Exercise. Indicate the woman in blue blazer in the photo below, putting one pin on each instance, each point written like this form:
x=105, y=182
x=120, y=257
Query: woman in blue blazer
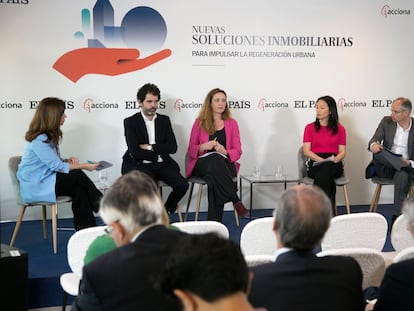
x=43, y=174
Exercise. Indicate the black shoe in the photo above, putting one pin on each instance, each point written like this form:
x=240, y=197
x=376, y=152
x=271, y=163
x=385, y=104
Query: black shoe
x=171, y=209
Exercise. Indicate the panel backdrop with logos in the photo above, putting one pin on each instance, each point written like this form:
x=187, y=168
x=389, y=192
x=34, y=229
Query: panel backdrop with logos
x=273, y=58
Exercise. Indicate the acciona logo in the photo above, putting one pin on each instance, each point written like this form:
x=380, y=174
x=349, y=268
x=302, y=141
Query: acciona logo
x=386, y=11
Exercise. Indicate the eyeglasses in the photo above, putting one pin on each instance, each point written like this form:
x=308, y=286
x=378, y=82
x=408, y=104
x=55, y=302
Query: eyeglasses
x=110, y=228
x=397, y=111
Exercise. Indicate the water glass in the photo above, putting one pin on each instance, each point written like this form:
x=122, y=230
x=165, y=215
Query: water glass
x=256, y=172
x=279, y=172
x=103, y=178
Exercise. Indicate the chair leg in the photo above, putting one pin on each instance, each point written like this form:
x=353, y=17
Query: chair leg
x=190, y=194
x=375, y=198
x=65, y=300
x=236, y=216
x=44, y=221
x=54, y=227
x=17, y=226
x=200, y=193
x=180, y=217
x=411, y=190
x=348, y=208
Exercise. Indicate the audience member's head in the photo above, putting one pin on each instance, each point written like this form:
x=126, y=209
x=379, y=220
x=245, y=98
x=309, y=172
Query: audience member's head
x=408, y=212
x=131, y=204
x=302, y=217
x=206, y=270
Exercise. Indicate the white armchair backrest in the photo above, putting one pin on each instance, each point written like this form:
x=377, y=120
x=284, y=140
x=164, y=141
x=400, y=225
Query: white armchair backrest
x=366, y=230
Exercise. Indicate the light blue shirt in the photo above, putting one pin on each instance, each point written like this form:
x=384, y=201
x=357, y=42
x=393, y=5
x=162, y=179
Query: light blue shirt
x=37, y=171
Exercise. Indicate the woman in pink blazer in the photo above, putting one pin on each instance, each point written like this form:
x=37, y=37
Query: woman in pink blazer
x=213, y=152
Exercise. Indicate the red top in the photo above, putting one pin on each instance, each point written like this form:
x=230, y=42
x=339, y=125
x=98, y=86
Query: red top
x=324, y=141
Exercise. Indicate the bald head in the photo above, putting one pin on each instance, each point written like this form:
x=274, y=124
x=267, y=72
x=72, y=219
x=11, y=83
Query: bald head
x=404, y=103
x=302, y=217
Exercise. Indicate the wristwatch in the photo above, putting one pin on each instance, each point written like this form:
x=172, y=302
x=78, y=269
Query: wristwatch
x=149, y=147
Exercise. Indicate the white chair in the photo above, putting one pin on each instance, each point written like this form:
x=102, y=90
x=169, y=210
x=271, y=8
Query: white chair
x=366, y=230
x=304, y=179
x=257, y=237
x=404, y=254
x=371, y=261
x=401, y=237
x=13, y=165
x=257, y=260
x=77, y=246
x=204, y=226
x=162, y=184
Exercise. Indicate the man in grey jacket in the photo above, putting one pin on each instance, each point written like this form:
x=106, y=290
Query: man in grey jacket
x=393, y=150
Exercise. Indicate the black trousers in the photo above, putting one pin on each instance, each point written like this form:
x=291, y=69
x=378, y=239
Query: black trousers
x=168, y=172
x=324, y=177
x=85, y=196
x=220, y=175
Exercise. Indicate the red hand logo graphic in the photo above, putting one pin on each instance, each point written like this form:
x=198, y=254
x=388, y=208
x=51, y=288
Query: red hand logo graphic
x=77, y=63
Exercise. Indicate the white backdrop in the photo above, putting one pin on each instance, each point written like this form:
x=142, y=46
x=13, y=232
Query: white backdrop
x=273, y=58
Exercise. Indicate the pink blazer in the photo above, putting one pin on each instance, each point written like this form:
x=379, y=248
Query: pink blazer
x=199, y=136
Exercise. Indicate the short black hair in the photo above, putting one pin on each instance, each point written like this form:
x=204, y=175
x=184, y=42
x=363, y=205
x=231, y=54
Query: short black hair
x=207, y=265
x=148, y=88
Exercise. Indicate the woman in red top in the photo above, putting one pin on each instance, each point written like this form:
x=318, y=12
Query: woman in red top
x=324, y=143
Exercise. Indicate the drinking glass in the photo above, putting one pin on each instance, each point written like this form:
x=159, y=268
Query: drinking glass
x=279, y=172
x=103, y=179
x=256, y=171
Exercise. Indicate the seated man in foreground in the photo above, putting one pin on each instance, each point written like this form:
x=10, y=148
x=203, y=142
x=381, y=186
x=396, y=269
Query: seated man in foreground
x=397, y=287
x=298, y=279
x=122, y=279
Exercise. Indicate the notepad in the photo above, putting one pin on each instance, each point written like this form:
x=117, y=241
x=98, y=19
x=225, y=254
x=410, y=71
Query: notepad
x=329, y=159
x=389, y=150
x=208, y=153
x=102, y=165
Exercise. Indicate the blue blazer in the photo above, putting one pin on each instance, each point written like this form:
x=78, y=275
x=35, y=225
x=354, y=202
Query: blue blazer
x=37, y=171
